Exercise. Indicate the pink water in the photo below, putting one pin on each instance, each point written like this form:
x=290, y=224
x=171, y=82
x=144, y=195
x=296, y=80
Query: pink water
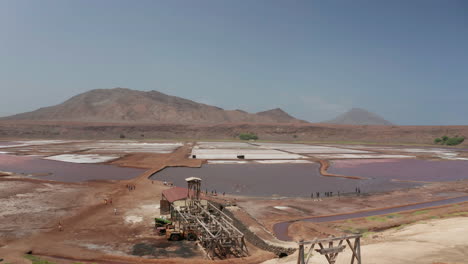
x=289, y=180
x=64, y=171
x=403, y=169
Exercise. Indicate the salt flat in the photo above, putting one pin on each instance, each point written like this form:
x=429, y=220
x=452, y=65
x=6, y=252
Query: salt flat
x=228, y=162
x=303, y=148
x=35, y=143
x=248, y=154
x=283, y=161
x=361, y=156
x=132, y=147
x=83, y=158
x=443, y=153
x=224, y=145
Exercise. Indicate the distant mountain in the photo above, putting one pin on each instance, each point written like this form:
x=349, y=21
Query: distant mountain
x=358, y=116
x=125, y=105
x=279, y=115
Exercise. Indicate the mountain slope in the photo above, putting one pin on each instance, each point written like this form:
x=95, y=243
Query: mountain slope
x=278, y=115
x=125, y=105
x=358, y=116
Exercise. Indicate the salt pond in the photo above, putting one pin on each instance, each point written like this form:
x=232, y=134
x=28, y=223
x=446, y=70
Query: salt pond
x=83, y=158
x=265, y=180
x=64, y=171
x=403, y=169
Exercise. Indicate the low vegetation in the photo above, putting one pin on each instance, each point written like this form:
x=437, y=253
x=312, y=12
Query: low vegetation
x=37, y=260
x=449, y=141
x=248, y=136
x=421, y=212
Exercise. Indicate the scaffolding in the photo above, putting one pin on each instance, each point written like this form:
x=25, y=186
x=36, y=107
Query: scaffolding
x=214, y=230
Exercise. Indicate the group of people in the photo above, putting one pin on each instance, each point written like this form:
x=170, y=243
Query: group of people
x=214, y=193
x=327, y=194
x=131, y=187
x=330, y=194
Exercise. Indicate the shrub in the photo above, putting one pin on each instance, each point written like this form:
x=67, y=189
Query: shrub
x=450, y=141
x=122, y=136
x=454, y=141
x=248, y=136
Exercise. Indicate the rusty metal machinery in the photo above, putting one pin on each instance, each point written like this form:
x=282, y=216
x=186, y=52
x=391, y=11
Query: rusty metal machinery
x=214, y=229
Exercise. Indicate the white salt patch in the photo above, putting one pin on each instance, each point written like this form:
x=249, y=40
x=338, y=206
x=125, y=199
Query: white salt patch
x=303, y=149
x=82, y=158
x=35, y=142
x=283, y=161
x=247, y=153
x=133, y=219
x=224, y=145
x=361, y=156
x=282, y=207
x=133, y=147
x=227, y=162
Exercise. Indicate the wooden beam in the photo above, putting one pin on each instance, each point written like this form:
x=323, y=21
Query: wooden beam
x=332, y=250
x=329, y=239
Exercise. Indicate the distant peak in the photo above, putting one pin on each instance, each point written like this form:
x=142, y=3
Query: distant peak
x=278, y=110
x=359, y=116
x=357, y=109
x=279, y=115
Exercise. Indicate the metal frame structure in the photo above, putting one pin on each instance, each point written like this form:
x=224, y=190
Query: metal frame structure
x=331, y=252
x=213, y=228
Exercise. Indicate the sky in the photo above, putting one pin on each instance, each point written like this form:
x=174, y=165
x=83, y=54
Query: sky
x=404, y=60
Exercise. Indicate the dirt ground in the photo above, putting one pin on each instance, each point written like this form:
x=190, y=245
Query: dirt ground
x=282, y=132
x=438, y=241
x=29, y=206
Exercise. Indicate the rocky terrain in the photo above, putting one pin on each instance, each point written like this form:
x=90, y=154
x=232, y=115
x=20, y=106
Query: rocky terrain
x=123, y=105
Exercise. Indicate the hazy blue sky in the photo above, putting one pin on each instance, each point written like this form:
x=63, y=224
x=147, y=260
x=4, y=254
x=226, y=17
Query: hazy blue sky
x=405, y=60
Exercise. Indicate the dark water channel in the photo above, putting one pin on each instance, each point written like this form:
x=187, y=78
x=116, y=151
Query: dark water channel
x=64, y=171
x=266, y=180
